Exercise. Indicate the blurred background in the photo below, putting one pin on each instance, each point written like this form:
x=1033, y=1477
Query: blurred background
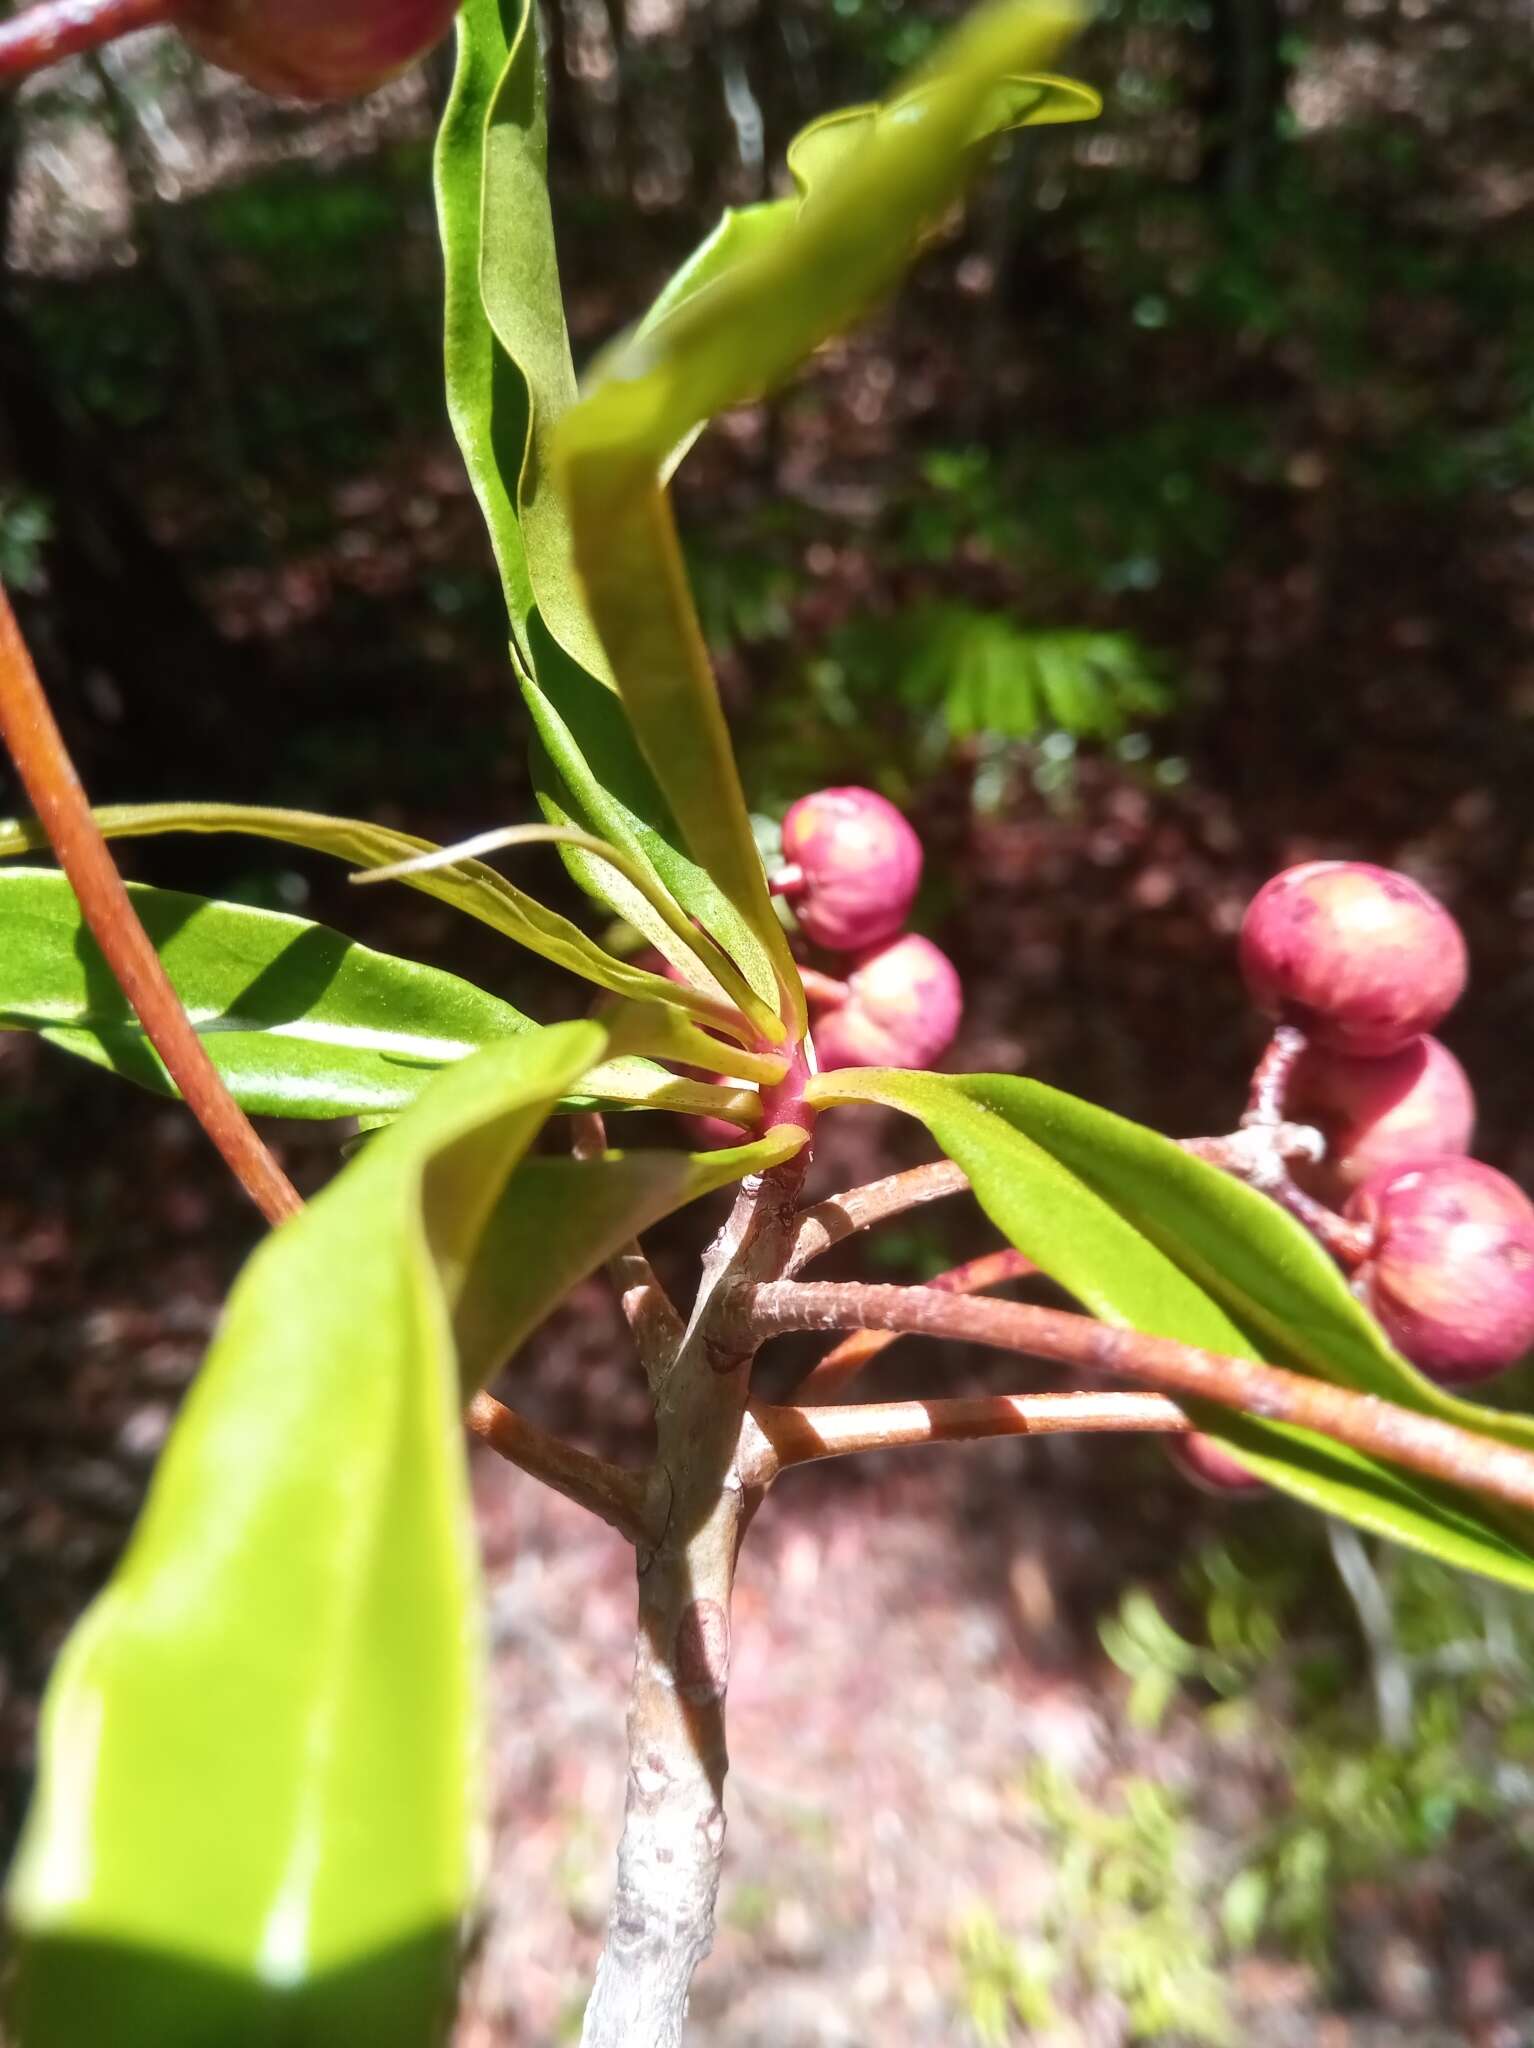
x=1178, y=522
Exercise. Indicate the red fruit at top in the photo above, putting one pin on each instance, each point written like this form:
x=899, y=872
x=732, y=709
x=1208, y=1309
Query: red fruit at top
x=859, y=864
x=1362, y=958
x=903, y=1008
x=1377, y=1114
x=314, y=49
x=1451, y=1274
x=1205, y=1460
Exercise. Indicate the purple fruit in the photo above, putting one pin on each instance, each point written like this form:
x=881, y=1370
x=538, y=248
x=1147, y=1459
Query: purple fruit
x=1450, y=1277
x=854, y=867
x=1378, y=1114
x=1363, y=959
x=1205, y=1460
x=903, y=1006
x=314, y=49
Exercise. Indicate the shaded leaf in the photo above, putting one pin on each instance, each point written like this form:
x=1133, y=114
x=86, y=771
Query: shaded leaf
x=255, y=1817
x=1002, y=1132
x=578, y=1213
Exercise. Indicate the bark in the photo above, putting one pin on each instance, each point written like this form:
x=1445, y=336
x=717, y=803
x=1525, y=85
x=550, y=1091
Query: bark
x=662, y=1920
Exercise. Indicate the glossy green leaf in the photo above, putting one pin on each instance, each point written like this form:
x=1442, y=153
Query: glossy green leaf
x=300, y=1021
x=486, y=397
x=735, y=339
x=1103, y=1249
x=255, y=1820
x=469, y=886
x=1267, y=1271
x=509, y=378
x=578, y=1213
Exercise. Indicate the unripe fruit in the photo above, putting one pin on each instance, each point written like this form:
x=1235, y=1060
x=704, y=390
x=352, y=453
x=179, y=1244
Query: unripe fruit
x=1361, y=958
x=314, y=49
x=1380, y=1114
x=858, y=865
x=1205, y=1461
x=903, y=1008
x=1450, y=1277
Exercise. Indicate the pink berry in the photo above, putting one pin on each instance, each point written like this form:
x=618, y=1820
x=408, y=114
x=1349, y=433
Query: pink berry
x=902, y=1009
x=1205, y=1460
x=1377, y=1114
x=315, y=49
x=1451, y=1274
x=858, y=865
x=1361, y=958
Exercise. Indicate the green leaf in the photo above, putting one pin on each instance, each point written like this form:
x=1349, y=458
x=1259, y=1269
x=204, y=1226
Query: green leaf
x=578, y=1213
x=469, y=886
x=510, y=380
x=255, y=1820
x=1108, y=1240
x=754, y=322
x=300, y=1021
x=486, y=398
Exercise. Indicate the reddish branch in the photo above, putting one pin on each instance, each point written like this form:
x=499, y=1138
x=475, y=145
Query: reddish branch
x=617, y=1496
x=43, y=35
x=1377, y=1427
x=840, y=1216
x=791, y=1436
x=849, y=1357
x=28, y=728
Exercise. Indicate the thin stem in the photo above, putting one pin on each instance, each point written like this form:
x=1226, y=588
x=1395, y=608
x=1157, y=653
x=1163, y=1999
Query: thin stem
x=47, y=34
x=849, y=1357
x=1271, y=1077
x=841, y=1216
x=653, y=1322
x=793, y=1436
x=1369, y=1424
x=620, y=1498
x=29, y=729
x=823, y=991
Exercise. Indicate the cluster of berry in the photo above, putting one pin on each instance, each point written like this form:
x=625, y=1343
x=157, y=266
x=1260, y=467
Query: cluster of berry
x=853, y=865
x=1360, y=964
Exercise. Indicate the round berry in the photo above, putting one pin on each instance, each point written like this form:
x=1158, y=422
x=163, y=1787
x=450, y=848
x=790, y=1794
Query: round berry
x=314, y=49
x=902, y=1009
x=1450, y=1277
x=1361, y=958
x=1377, y=1114
x=1205, y=1460
x=858, y=864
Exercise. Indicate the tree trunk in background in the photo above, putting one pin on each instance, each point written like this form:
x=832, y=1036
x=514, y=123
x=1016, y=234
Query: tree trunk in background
x=1245, y=99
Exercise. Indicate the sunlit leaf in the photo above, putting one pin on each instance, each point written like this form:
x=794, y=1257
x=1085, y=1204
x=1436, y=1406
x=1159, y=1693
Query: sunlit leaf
x=1100, y=1244
x=256, y=1813
x=469, y=886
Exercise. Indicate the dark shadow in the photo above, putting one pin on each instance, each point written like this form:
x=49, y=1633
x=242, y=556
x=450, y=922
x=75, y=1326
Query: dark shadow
x=68, y=1993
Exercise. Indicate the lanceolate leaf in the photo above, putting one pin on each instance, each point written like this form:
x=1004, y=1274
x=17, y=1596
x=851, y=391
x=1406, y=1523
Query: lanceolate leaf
x=1100, y=1246
x=469, y=886
x=255, y=1818
x=300, y=1021
x=578, y=1213
x=510, y=379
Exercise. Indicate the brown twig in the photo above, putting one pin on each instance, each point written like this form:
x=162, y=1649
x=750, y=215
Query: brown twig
x=619, y=1497
x=840, y=1216
x=793, y=1436
x=849, y=1357
x=653, y=1322
x=56, y=29
x=1369, y=1424
x=29, y=729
